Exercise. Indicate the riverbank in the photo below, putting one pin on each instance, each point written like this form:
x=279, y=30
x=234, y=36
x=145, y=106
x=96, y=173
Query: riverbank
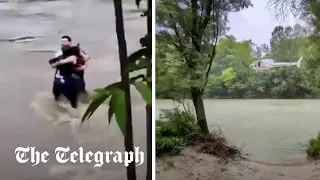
x=191, y=165
x=272, y=131
x=273, y=136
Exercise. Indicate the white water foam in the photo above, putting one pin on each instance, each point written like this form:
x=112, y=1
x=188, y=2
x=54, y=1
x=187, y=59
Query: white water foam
x=96, y=129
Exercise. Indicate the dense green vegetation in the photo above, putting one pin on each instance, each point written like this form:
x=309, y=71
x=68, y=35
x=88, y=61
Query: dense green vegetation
x=314, y=147
x=173, y=130
x=187, y=35
x=231, y=77
x=178, y=129
x=197, y=58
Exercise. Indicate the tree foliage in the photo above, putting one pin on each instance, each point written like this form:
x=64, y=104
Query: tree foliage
x=188, y=32
x=231, y=77
x=192, y=29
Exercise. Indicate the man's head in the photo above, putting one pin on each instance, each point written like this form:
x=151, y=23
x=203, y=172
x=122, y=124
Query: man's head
x=66, y=42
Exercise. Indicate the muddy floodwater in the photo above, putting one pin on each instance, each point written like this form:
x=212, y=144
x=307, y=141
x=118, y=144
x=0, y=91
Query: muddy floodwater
x=274, y=135
x=26, y=82
x=270, y=131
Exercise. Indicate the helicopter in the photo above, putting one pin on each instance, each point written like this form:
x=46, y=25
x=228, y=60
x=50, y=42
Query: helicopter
x=267, y=64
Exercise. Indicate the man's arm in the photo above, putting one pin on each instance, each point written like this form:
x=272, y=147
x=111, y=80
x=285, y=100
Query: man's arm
x=84, y=55
x=86, y=59
x=71, y=59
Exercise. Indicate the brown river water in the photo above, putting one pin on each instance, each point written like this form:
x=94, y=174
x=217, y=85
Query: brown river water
x=274, y=135
x=270, y=131
x=26, y=81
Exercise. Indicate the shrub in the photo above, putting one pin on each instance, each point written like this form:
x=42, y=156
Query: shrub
x=173, y=129
x=314, y=147
x=177, y=129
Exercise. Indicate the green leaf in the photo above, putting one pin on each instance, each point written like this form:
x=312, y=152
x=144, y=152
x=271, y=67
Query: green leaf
x=145, y=91
x=118, y=85
x=118, y=105
x=110, y=112
x=137, y=55
x=110, y=87
x=143, y=63
x=98, y=90
x=100, y=98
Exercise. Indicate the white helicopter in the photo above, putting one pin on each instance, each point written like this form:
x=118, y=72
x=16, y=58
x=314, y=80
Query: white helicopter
x=267, y=64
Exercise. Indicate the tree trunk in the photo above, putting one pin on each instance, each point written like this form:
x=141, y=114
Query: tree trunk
x=131, y=169
x=148, y=107
x=200, y=111
x=149, y=141
x=149, y=134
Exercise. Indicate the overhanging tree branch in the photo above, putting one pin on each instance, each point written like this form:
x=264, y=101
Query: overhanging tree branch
x=206, y=19
x=194, y=31
x=216, y=19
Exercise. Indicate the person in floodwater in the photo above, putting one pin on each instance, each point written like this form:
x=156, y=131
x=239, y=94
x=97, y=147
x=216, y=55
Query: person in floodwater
x=65, y=83
x=81, y=65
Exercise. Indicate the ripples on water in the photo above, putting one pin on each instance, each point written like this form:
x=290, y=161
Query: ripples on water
x=61, y=114
x=272, y=131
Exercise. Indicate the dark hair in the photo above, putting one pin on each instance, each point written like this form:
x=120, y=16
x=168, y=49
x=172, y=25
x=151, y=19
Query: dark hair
x=66, y=37
x=72, y=51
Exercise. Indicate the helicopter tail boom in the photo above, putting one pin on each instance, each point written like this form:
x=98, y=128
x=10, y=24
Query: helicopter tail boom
x=299, y=62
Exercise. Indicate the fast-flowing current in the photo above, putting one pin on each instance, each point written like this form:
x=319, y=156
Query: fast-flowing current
x=270, y=131
x=29, y=35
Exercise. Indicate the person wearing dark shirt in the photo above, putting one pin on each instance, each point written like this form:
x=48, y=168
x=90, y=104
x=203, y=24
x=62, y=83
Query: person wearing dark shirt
x=81, y=65
x=65, y=82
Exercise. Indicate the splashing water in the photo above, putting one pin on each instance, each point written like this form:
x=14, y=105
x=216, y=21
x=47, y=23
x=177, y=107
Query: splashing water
x=62, y=114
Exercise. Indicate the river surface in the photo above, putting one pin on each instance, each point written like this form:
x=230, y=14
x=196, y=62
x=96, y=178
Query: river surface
x=272, y=131
x=26, y=82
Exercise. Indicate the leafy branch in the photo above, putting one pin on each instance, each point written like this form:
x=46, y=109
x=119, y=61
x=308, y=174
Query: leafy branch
x=139, y=60
x=116, y=96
